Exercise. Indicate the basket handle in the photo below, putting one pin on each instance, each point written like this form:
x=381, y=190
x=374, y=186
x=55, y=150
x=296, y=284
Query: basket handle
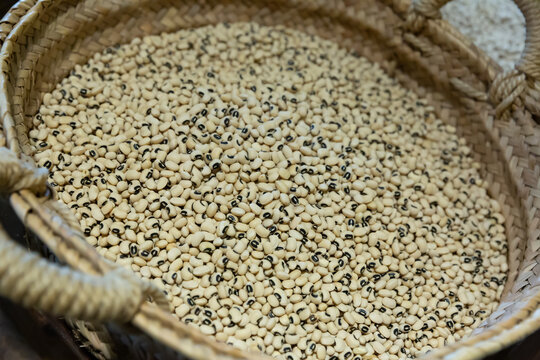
x=28, y=279
x=519, y=86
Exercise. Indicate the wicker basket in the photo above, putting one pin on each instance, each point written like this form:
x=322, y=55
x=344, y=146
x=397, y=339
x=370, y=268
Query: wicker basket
x=495, y=112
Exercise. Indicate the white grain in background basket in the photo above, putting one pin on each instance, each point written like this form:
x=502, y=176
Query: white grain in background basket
x=495, y=26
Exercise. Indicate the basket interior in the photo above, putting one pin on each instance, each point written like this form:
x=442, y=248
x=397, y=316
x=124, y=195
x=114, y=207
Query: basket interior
x=63, y=33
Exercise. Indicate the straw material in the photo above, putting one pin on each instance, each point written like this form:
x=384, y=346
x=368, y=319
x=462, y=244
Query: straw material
x=520, y=86
x=27, y=279
x=18, y=175
x=494, y=111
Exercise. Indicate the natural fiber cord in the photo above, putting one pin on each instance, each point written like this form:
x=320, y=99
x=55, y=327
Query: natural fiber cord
x=17, y=174
x=506, y=88
x=509, y=86
x=30, y=280
x=27, y=279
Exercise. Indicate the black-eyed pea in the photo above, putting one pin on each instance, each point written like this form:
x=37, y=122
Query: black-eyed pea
x=281, y=179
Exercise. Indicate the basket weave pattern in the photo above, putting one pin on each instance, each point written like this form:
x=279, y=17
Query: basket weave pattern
x=43, y=39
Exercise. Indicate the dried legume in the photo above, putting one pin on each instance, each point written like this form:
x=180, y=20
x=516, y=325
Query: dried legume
x=286, y=194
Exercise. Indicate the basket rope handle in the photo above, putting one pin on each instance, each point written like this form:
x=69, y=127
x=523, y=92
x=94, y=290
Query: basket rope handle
x=519, y=86
x=29, y=279
x=116, y=295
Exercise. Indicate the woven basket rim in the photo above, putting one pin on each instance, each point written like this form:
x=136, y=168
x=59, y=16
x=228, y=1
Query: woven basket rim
x=22, y=15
